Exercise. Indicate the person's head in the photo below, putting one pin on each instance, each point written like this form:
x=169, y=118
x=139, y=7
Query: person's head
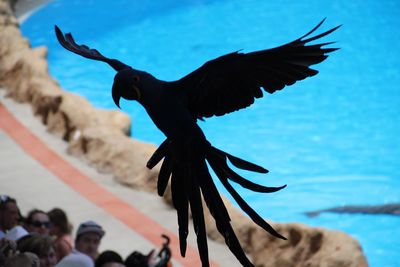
x=38, y=221
x=76, y=260
x=88, y=237
x=137, y=259
x=109, y=258
x=59, y=222
x=9, y=213
x=42, y=246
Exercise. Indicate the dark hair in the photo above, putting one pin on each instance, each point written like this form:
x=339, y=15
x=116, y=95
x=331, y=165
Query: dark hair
x=4, y=200
x=108, y=256
x=29, y=217
x=36, y=243
x=136, y=259
x=59, y=218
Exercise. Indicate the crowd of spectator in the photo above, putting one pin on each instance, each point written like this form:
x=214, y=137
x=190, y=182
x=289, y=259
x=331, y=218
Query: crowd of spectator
x=44, y=239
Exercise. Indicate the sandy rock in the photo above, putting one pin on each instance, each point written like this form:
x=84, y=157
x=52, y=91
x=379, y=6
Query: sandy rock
x=6, y=16
x=306, y=246
x=100, y=137
x=111, y=151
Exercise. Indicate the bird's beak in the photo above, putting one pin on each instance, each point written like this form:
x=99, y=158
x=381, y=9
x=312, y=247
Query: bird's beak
x=115, y=95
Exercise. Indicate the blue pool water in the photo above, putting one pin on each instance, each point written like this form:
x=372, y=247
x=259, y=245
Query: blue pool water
x=334, y=138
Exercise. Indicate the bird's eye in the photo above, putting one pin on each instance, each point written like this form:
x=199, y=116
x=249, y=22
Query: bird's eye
x=136, y=78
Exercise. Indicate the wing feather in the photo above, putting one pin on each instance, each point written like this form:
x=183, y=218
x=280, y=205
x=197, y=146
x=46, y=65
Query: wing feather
x=233, y=81
x=68, y=42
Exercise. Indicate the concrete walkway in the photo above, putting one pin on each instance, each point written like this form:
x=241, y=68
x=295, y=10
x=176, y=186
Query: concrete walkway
x=36, y=170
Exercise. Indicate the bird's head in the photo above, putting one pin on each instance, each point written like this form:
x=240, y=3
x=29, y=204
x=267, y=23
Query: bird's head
x=127, y=84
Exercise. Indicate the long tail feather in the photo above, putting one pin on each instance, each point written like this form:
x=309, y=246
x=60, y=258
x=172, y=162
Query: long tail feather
x=198, y=219
x=211, y=194
x=220, y=215
x=241, y=163
x=180, y=201
x=158, y=155
x=216, y=166
x=185, y=163
x=233, y=176
x=163, y=176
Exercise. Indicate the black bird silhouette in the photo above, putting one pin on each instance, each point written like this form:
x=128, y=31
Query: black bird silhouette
x=222, y=85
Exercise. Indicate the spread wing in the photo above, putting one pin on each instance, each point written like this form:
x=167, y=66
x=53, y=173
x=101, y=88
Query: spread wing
x=233, y=81
x=68, y=42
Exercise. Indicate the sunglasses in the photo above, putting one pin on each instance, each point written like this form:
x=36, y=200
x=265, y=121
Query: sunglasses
x=41, y=224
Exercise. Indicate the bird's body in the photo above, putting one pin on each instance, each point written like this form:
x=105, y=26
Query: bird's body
x=170, y=109
x=222, y=85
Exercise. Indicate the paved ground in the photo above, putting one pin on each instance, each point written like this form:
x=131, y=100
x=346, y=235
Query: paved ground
x=36, y=170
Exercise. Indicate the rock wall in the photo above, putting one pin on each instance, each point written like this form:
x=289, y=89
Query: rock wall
x=101, y=137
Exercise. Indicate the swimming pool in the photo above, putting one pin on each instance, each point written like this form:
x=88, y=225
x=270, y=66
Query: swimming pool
x=334, y=138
